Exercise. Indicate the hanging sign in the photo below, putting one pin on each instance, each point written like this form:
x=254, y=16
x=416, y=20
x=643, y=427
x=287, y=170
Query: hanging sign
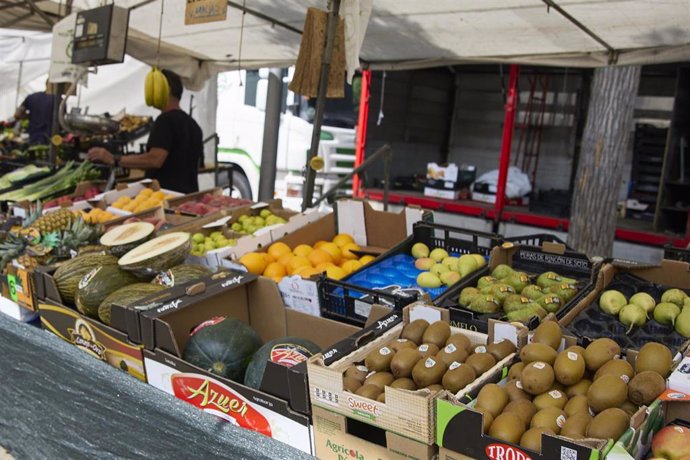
x=202, y=11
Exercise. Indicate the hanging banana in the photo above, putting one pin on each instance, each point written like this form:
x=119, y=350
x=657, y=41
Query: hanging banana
x=156, y=89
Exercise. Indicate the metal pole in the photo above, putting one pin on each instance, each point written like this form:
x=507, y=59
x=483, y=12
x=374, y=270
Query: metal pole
x=333, y=19
x=504, y=160
x=19, y=83
x=269, y=151
x=362, y=121
x=58, y=88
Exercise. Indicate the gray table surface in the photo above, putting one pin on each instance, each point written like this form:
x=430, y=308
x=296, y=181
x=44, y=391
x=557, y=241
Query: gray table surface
x=58, y=402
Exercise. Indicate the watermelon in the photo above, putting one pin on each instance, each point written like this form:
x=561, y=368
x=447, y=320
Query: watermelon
x=223, y=346
x=286, y=351
x=126, y=296
x=68, y=275
x=157, y=255
x=124, y=238
x=98, y=284
x=182, y=274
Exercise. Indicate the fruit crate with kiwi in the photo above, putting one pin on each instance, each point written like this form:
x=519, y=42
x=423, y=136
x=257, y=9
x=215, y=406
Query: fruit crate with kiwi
x=558, y=397
x=401, y=364
x=635, y=304
x=428, y=263
x=521, y=283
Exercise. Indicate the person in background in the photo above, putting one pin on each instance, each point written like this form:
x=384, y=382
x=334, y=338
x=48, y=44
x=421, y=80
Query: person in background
x=174, y=149
x=38, y=108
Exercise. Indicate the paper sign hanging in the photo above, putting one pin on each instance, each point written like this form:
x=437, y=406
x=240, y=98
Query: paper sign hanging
x=202, y=11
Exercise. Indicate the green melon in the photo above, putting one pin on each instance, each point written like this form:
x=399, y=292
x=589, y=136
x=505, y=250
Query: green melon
x=182, y=274
x=126, y=296
x=223, y=346
x=286, y=351
x=98, y=284
x=68, y=275
x=157, y=255
x=124, y=238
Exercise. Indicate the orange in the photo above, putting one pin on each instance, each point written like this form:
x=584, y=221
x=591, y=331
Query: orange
x=254, y=262
x=366, y=259
x=341, y=239
x=319, y=243
x=351, y=265
x=297, y=262
x=308, y=272
x=302, y=250
x=333, y=250
x=335, y=273
x=347, y=254
x=285, y=259
x=268, y=258
x=277, y=279
x=300, y=270
x=274, y=269
x=319, y=256
x=279, y=249
x=322, y=267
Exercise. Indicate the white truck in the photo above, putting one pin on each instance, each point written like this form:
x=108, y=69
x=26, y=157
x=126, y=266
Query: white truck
x=240, y=123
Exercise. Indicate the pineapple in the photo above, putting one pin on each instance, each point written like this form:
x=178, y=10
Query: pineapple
x=78, y=234
x=28, y=262
x=10, y=249
x=54, y=222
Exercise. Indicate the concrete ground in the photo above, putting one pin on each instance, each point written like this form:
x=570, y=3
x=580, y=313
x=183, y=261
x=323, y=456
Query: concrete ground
x=4, y=455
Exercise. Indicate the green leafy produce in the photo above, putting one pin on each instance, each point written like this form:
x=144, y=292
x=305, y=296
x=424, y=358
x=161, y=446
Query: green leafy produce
x=21, y=174
x=64, y=179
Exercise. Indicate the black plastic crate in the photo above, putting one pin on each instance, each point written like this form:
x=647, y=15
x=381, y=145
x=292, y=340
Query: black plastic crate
x=533, y=261
x=673, y=253
x=350, y=301
x=536, y=239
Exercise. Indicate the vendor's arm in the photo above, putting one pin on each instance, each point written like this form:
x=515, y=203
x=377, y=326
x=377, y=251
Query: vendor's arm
x=153, y=159
x=20, y=113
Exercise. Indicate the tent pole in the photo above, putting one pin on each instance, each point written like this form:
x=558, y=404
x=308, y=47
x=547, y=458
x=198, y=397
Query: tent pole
x=19, y=83
x=269, y=149
x=504, y=160
x=362, y=121
x=333, y=18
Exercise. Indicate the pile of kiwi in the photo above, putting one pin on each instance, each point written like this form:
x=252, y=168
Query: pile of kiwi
x=517, y=294
x=425, y=356
x=577, y=393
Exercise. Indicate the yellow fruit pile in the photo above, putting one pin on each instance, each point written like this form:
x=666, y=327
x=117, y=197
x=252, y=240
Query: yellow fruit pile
x=146, y=199
x=335, y=258
x=97, y=216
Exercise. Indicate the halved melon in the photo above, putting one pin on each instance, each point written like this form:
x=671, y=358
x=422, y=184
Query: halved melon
x=157, y=255
x=124, y=238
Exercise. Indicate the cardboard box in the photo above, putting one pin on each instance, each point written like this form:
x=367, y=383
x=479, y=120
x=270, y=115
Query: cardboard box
x=338, y=438
x=409, y=414
x=281, y=409
x=447, y=173
x=158, y=213
x=442, y=193
x=19, y=286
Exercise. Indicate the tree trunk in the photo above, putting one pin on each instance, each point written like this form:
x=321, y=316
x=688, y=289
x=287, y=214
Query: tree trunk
x=605, y=140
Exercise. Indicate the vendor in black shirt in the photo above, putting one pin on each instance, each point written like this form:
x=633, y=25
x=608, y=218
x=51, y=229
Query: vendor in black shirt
x=174, y=149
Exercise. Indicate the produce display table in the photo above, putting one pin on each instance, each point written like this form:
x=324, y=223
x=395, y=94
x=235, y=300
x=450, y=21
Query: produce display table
x=57, y=402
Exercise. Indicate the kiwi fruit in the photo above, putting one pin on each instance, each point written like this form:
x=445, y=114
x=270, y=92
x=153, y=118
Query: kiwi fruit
x=382, y=397
x=577, y=349
x=357, y=372
x=523, y=408
x=553, y=398
x=351, y=384
x=458, y=377
x=400, y=344
x=645, y=387
x=557, y=386
x=531, y=439
x=609, y=424
x=379, y=359
x=569, y=367
x=451, y=353
x=460, y=341
x=427, y=372
x=487, y=419
x=575, y=426
x=403, y=362
x=434, y=388
x=607, y=392
x=515, y=391
x=501, y=350
x=380, y=379
x=437, y=333
x=576, y=404
x=515, y=371
x=414, y=331
x=549, y=417
x=493, y=398
x=404, y=383
x=481, y=362
x=599, y=352
x=580, y=388
x=537, y=377
x=654, y=357
x=548, y=333
x=369, y=391
x=507, y=427
x=427, y=350
x=538, y=352
x=629, y=407
x=618, y=367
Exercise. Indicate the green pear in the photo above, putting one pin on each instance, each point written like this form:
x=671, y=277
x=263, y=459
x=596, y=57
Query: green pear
x=467, y=294
x=198, y=238
x=438, y=254
x=517, y=280
x=420, y=250
x=527, y=313
x=437, y=269
x=682, y=325
x=515, y=302
x=484, y=304
x=612, y=301
x=501, y=291
x=501, y=271
x=547, y=279
x=565, y=291
x=265, y=213
x=452, y=263
x=467, y=264
x=428, y=280
x=550, y=302
x=645, y=301
x=236, y=227
x=666, y=313
x=674, y=296
x=485, y=281
x=632, y=315
x=424, y=263
x=481, y=260
x=532, y=292
x=450, y=278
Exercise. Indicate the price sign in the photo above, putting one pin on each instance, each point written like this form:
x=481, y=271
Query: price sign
x=202, y=11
